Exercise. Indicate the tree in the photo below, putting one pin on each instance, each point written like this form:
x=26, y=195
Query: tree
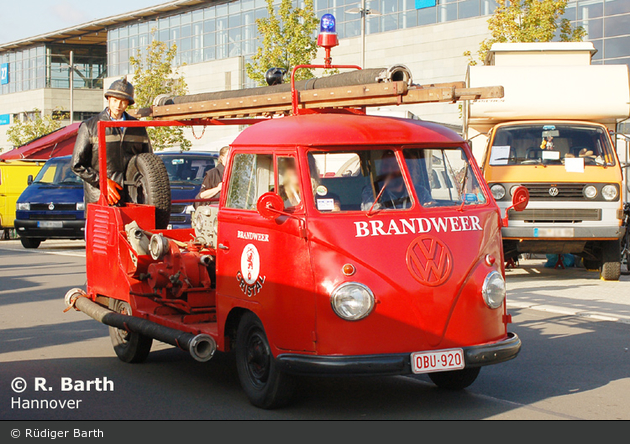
x=288, y=40
x=154, y=74
x=528, y=21
x=23, y=132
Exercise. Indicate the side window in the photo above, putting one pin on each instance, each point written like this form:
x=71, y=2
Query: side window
x=289, y=182
x=252, y=176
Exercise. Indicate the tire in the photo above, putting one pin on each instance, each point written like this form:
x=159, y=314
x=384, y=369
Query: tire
x=456, y=379
x=591, y=264
x=148, y=183
x=611, y=271
x=264, y=384
x=611, y=261
x=30, y=242
x=129, y=347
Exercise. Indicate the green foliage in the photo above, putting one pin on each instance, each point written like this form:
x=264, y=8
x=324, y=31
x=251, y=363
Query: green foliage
x=154, y=74
x=287, y=40
x=527, y=21
x=22, y=132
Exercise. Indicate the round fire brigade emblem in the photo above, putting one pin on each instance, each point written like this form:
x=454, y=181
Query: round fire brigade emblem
x=51, y=206
x=429, y=261
x=250, y=264
x=553, y=191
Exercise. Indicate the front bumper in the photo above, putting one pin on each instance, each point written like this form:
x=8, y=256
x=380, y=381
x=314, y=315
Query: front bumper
x=579, y=233
x=394, y=364
x=70, y=229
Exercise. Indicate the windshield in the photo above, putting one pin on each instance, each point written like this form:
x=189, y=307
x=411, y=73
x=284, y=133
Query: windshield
x=188, y=169
x=57, y=172
x=370, y=180
x=573, y=146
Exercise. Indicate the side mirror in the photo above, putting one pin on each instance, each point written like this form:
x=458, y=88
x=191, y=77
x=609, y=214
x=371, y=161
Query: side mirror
x=270, y=206
x=520, y=199
x=29, y=179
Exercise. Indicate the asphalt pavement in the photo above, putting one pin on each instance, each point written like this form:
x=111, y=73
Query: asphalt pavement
x=574, y=364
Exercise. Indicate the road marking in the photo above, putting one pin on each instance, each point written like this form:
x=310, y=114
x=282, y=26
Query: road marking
x=568, y=312
x=507, y=402
x=56, y=253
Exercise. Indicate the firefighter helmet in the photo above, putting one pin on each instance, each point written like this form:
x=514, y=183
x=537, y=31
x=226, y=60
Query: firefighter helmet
x=121, y=89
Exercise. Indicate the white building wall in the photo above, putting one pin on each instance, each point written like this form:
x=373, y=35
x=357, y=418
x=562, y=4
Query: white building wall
x=46, y=100
x=433, y=53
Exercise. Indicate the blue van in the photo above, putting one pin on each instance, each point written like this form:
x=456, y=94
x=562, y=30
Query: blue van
x=186, y=171
x=52, y=205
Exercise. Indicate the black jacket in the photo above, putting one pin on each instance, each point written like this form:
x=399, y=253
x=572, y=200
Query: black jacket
x=122, y=144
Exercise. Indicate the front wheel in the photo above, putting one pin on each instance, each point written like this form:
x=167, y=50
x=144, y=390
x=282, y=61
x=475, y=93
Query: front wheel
x=611, y=261
x=29, y=242
x=456, y=379
x=265, y=385
x=129, y=347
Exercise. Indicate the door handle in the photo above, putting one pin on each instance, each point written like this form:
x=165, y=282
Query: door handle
x=223, y=247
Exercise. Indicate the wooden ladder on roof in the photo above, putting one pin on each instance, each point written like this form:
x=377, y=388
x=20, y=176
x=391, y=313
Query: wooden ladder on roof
x=351, y=97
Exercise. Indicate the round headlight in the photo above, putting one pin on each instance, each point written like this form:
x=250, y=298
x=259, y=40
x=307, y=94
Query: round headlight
x=609, y=192
x=590, y=192
x=498, y=191
x=493, y=289
x=352, y=301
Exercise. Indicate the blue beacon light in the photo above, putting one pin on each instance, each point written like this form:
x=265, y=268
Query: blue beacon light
x=327, y=37
x=328, y=24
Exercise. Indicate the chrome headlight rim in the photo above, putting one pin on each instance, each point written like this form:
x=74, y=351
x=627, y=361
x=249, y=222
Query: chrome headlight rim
x=499, y=193
x=484, y=290
x=336, y=293
x=590, y=189
x=606, y=192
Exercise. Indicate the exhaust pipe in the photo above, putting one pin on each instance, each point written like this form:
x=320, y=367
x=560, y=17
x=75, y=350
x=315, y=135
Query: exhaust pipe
x=201, y=347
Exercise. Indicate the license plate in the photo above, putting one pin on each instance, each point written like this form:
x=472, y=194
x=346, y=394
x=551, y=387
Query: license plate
x=50, y=224
x=554, y=232
x=437, y=361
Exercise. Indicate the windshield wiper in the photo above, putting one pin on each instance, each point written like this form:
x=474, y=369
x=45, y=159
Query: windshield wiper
x=369, y=213
x=462, y=188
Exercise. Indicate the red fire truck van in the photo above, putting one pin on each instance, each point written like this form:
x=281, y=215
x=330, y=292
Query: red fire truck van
x=342, y=244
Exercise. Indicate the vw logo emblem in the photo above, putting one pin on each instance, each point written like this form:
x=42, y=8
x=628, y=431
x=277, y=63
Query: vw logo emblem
x=429, y=261
x=553, y=191
x=51, y=206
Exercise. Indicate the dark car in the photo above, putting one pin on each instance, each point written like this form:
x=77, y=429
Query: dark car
x=52, y=206
x=186, y=172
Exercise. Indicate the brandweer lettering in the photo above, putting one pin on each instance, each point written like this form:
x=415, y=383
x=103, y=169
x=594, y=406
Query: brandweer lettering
x=252, y=236
x=417, y=225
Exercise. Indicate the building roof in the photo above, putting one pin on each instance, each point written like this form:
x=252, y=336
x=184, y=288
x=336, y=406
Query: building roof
x=95, y=32
x=539, y=47
x=332, y=129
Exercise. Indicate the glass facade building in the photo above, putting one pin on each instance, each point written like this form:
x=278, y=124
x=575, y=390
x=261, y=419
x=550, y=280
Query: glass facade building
x=48, y=66
x=229, y=29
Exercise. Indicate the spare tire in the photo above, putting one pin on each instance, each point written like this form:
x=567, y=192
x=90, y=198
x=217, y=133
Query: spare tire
x=147, y=183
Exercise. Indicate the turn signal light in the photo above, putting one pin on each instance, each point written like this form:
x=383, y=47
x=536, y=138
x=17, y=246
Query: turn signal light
x=348, y=269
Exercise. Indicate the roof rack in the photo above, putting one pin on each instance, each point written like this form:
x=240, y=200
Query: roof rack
x=355, y=97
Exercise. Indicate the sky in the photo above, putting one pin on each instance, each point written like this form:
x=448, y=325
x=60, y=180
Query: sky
x=27, y=18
